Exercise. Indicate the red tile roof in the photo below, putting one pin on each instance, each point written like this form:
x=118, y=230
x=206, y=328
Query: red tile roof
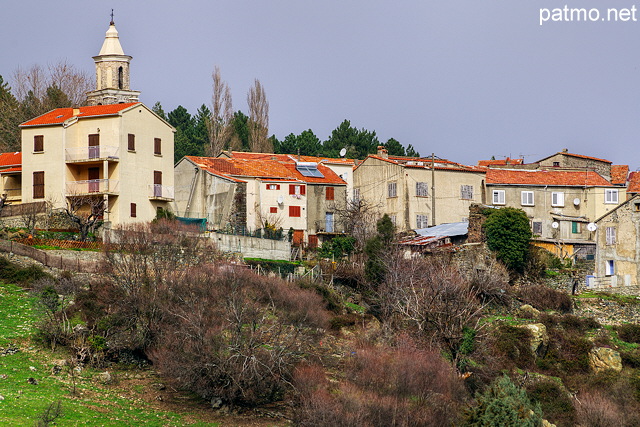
x=289, y=157
x=425, y=163
x=564, y=153
x=619, y=174
x=634, y=182
x=15, y=169
x=546, y=177
x=10, y=159
x=60, y=115
x=266, y=169
x=503, y=162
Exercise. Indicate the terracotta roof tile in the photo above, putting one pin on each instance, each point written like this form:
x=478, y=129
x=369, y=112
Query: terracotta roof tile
x=634, y=182
x=502, y=162
x=289, y=157
x=267, y=169
x=9, y=170
x=11, y=159
x=60, y=115
x=619, y=174
x=546, y=177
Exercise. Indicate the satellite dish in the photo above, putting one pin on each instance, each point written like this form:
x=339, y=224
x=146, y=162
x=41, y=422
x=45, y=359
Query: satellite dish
x=280, y=199
x=555, y=224
x=576, y=201
x=592, y=226
x=343, y=152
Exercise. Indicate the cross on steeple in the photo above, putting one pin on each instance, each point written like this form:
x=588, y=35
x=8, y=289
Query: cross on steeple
x=111, y=23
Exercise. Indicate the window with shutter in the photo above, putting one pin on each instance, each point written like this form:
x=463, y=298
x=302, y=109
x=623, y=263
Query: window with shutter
x=392, y=189
x=527, y=198
x=557, y=199
x=133, y=210
x=422, y=189
x=611, y=196
x=38, y=143
x=330, y=193
x=131, y=142
x=157, y=146
x=466, y=192
x=38, y=185
x=422, y=221
x=273, y=209
x=611, y=235
x=294, y=211
x=498, y=197
x=575, y=227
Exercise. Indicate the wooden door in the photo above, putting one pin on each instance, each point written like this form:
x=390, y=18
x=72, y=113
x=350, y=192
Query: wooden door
x=94, y=180
x=298, y=237
x=157, y=183
x=94, y=146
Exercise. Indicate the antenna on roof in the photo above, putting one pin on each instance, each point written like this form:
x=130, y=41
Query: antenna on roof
x=111, y=23
x=343, y=152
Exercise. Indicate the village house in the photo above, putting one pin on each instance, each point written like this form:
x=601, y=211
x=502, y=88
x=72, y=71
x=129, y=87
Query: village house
x=617, y=262
x=113, y=149
x=559, y=203
x=404, y=188
x=564, y=159
x=11, y=174
x=250, y=194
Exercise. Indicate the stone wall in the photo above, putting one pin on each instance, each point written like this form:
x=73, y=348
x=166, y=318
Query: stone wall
x=252, y=247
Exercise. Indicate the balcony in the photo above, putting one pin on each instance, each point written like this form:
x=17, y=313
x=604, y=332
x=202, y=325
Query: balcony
x=329, y=227
x=92, y=186
x=13, y=194
x=92, y=154
x=160, y=192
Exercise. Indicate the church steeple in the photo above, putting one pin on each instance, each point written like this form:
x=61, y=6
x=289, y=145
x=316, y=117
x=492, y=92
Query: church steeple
x=112, y=72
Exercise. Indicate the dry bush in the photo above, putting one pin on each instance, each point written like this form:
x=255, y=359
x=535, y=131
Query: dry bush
x=491, y=282
x=234, y=335
x=596, y=410
x=544, y=298
x=401, y=386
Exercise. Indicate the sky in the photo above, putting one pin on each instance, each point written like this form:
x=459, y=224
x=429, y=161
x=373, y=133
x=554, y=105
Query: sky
x=465, y=79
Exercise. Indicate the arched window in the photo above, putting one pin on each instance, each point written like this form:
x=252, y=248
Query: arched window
x=120, y=75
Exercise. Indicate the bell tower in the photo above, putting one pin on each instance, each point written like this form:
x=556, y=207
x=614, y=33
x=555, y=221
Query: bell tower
x=112, y=73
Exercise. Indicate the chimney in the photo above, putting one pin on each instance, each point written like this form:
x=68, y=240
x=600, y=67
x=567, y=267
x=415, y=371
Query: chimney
x=382, y=152
x=565, y=150
x=76, y=111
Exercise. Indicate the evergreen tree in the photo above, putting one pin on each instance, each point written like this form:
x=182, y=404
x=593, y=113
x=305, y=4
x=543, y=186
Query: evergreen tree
x=240, y=137
x=201, y=131
x=184, y=124
x=375, y=248
x=508, y=234
x=359, y=143
x=307, y=143
x=157, y=108
x=411, y=152
x=10, y=118
x=394, y=148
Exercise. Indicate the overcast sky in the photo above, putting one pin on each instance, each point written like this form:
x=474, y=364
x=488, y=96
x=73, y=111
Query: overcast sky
x=466, y=79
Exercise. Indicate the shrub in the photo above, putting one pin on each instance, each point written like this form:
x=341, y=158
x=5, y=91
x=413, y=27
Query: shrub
x=596, y=410
x=544, y=298
x=508, y=234
x=504, y=404
x=555, y=402
x=513, y=344
x=629, y=332
x=13, y=273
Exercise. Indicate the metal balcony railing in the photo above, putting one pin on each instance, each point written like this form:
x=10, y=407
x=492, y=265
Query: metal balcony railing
x=92, y=186
x=161, y=192
x=100, y=152
x=325, y=226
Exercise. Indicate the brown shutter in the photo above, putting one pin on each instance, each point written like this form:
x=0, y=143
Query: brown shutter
x=292, y=189
x=157, y=177
x=38, y=185
x=157, y=146
x=131, y=145
x=330, y=193
x=38, y=143
x=133, y=210
x=302, y=190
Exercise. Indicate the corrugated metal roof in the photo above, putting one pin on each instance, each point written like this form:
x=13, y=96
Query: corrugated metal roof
x=445, y=230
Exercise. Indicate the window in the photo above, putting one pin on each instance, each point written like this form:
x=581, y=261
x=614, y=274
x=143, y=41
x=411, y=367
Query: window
x=611, y=235
x=134, y=210
x=422, y=221
x=393, y=219
x=536, y=227
x=557, y=199
x=466, y=192
x=330, y=193
x=526, y=198
x=157, y=183
x=356, y=195
x=575, y=227
x=611, y=196
x=38, y=185
x=392, y=189
x=157, y=146
x=273, y=186
x=294, y=211
x=131, y=143
x=296, y=189
x=273, y=209
x=609, y=268
x=422, y=189
x=38, y=143
x=556, y=164
x=498, y=197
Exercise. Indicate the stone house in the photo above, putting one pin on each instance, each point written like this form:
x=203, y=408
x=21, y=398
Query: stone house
x=618, y=246
x=244, y=193
x=566, y=160
x=113, y=149
x=418, y=192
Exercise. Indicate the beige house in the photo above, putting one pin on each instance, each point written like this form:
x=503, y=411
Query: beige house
x=244, y=194
x=404, y=188
x=119, y=151
x=618, y=246
x=11, y=176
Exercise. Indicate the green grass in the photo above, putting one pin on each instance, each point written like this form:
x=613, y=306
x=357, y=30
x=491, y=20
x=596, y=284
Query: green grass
x=620, y=299
x=93, y=403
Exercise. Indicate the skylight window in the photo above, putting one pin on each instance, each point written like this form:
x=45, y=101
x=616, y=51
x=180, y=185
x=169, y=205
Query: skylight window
x=57, y=117
x=309, y=169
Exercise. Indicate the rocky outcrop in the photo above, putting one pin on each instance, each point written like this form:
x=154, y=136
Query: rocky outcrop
x=528, y=312
x=539, y=338
x=603, y=358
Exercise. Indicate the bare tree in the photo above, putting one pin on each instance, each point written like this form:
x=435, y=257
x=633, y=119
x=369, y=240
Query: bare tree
x=86, y=213
x=359, y=217
x=219, y=125
x=258, y=119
